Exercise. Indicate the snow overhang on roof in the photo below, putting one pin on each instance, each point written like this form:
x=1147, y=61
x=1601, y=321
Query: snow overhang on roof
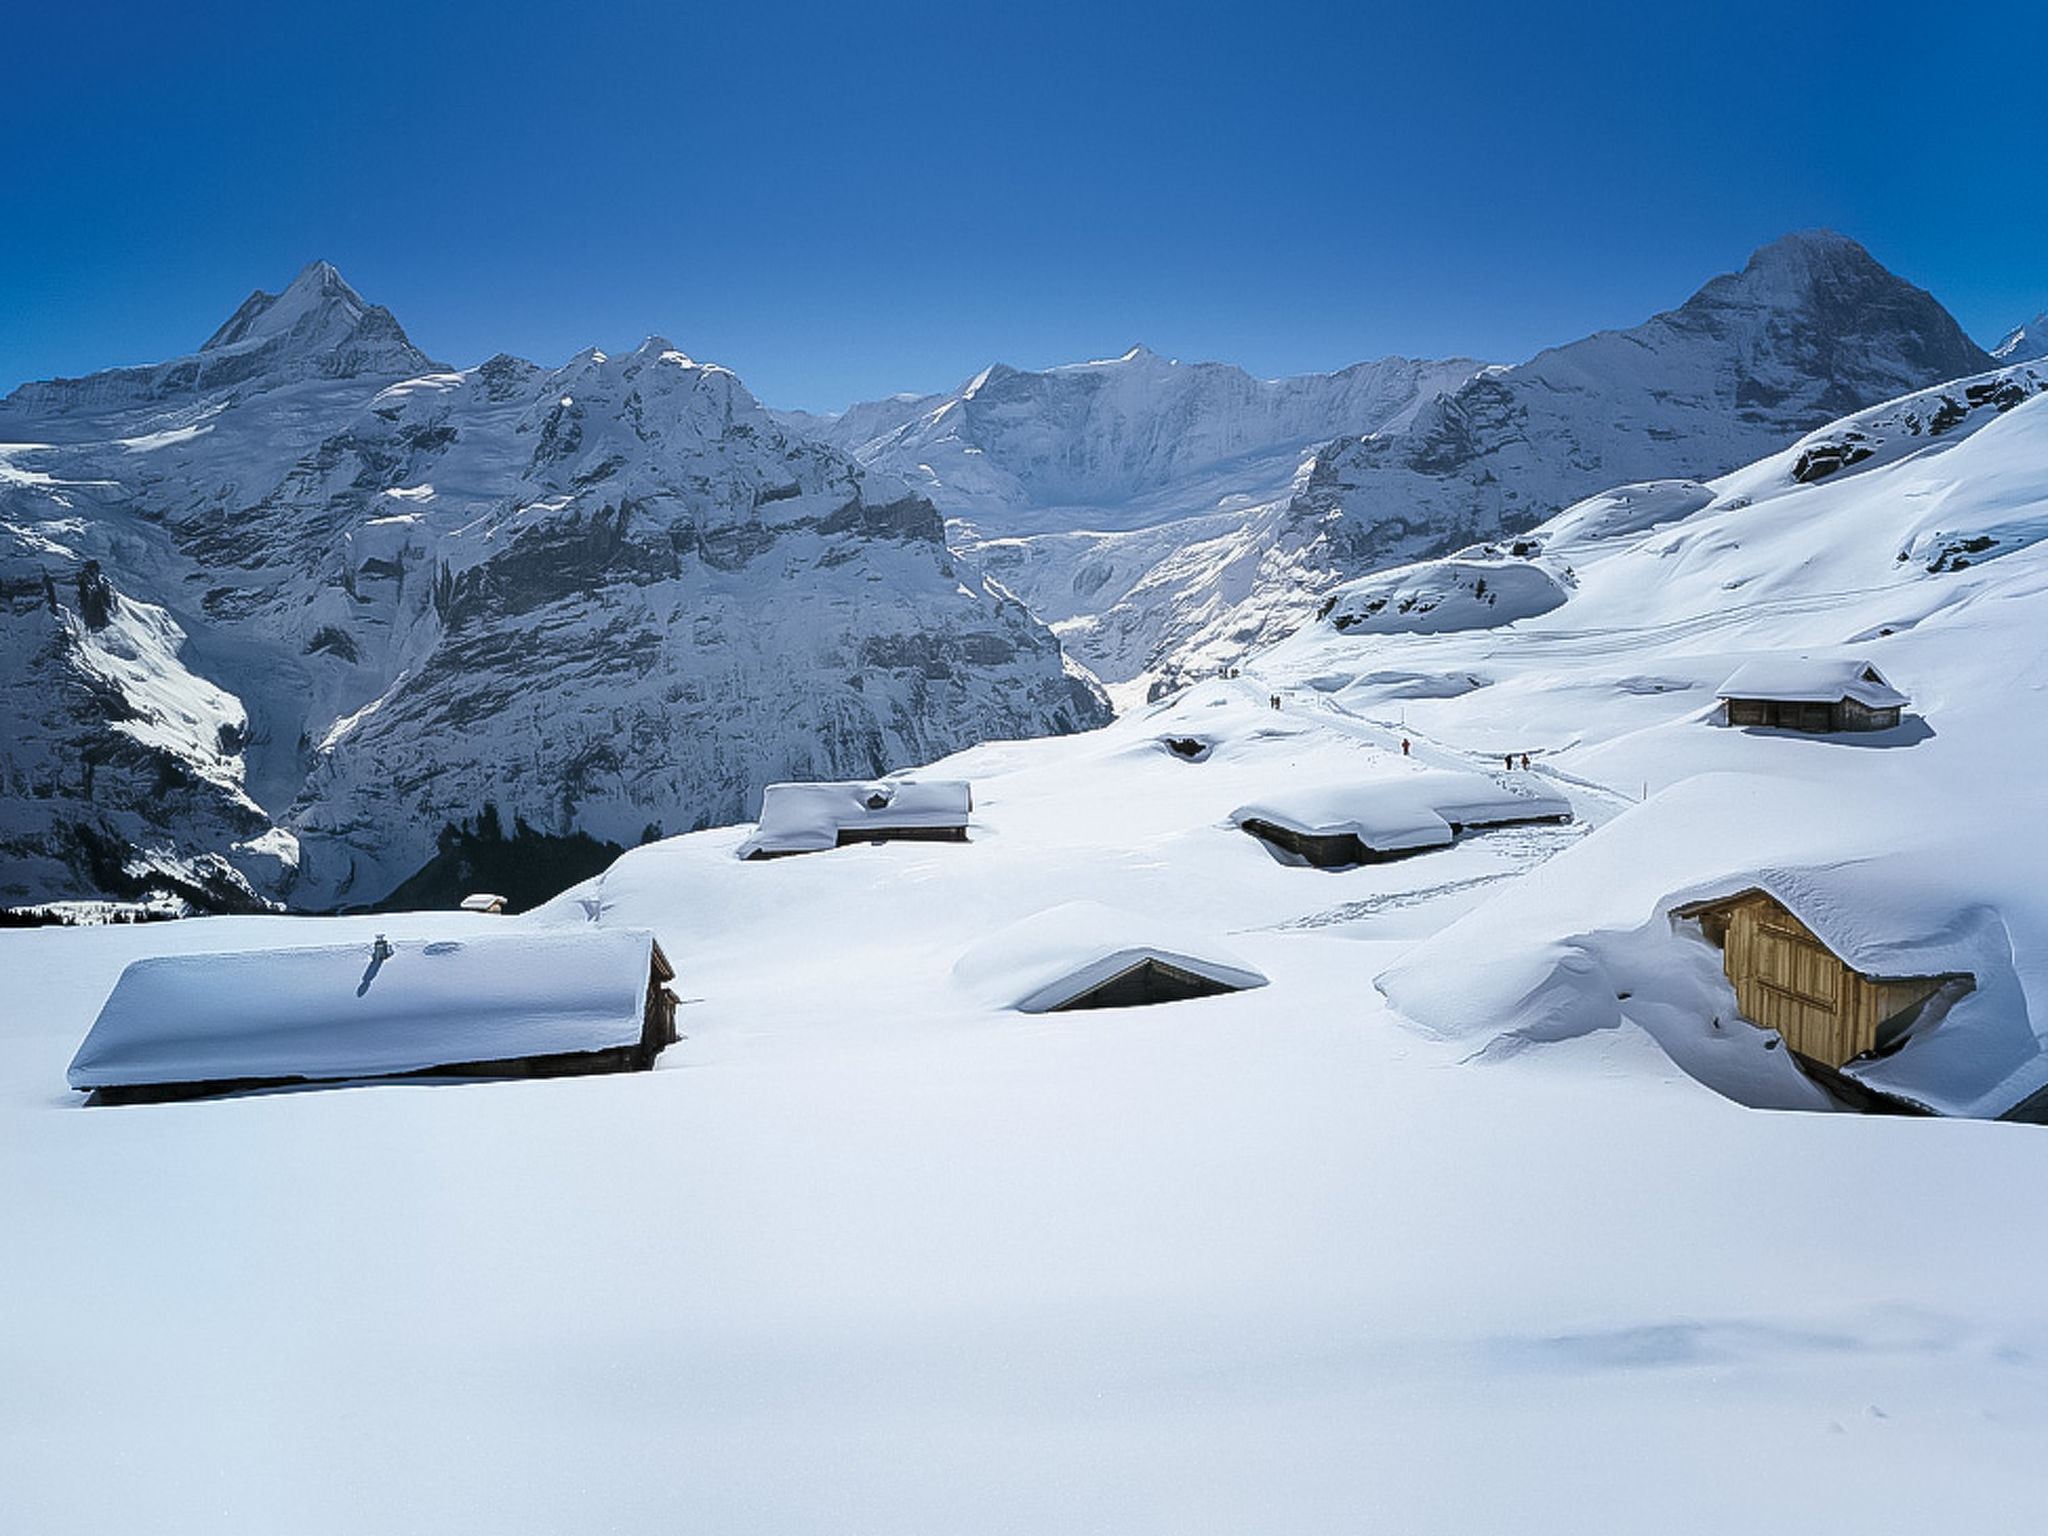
x=1053, y=957
x=1871, y=913
x=807, y=818
x=369, y=1009
x=1812, y=680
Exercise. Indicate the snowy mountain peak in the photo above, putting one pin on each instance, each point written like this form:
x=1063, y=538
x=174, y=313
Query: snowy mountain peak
x=321, y=322
x=658, y=346
x=317, y=328
x=316, y=293
x=2024, y=343
x=994, y=373
x=1842, y=303
x=1808, y=251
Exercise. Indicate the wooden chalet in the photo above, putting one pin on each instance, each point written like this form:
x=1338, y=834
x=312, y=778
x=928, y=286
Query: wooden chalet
x=1787, y=979
x=809, y=818
x=1802, y=693
x=508, y=1004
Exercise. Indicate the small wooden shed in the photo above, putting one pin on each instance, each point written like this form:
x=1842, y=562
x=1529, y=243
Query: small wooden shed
x=511, y=1003
x=1786, y=978
x=1816, y=695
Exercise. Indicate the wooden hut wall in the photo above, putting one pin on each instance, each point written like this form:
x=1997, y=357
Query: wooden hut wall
x=1786, y=979
x=1795, y=715
x=875, y=834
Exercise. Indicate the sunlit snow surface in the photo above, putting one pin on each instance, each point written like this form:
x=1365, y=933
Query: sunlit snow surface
x=873, y=1252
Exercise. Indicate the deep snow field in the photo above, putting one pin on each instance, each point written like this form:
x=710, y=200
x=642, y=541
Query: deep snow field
x=871, y=1252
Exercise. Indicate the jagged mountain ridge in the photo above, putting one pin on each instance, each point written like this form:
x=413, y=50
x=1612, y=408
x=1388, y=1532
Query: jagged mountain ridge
x=1014, y=450
x=1192, y=573
x=606, y=597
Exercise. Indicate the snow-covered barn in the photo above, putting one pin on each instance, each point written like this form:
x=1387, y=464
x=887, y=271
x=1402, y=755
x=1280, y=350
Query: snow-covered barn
x=506, y=1004
x=1815, y=694
x=808, y=818
x=1366, y=821
x=1087, y=955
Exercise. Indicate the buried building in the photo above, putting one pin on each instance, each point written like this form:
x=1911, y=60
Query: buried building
x=1889, y=1005
x=1087, y=955
x=809, y=818
x=524, y=1004
x=1367, y=821
x=1802, y=693
x=1787, y=979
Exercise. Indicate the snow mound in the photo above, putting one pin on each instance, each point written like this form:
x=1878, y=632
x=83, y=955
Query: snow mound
x=1439, y=596
x=1055, y=956
x=1624, y=510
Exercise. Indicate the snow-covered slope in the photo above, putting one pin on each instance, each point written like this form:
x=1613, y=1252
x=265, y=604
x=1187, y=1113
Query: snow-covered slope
x=1914, y=534
x=875, y=1251
x=604, y=598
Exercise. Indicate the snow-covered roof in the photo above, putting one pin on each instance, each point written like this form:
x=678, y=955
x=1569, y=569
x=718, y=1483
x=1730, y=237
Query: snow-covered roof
x=1415, y=810
x=368, y=1010
x=1812, y=679
x=1054, y=956
x=804, y=818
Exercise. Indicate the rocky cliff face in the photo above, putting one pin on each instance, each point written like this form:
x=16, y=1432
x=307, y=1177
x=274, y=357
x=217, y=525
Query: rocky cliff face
x=613, y=597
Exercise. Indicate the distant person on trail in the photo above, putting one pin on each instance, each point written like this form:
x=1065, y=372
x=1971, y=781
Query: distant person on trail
x=1404, y=746
x=1525, y=762
x=1509, y=759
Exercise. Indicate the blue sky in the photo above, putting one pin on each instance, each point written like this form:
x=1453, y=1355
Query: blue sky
x=841, y=201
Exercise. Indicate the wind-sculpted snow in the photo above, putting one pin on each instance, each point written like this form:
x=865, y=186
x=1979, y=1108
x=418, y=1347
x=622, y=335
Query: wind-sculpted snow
x=613, y=597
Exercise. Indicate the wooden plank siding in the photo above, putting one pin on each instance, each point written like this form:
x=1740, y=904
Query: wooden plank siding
x=1817, y=717
x=1787, y=979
